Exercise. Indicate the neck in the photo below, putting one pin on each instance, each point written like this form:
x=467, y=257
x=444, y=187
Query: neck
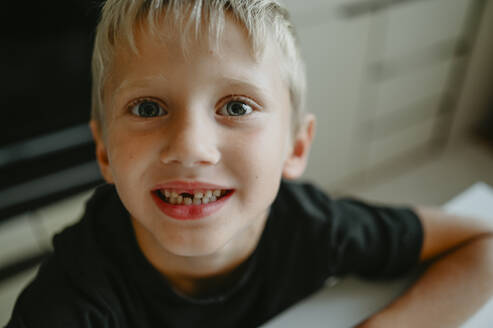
x=203, y=275
x=200, y=287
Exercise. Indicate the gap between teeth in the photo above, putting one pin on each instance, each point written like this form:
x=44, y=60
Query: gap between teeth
x=201, y=197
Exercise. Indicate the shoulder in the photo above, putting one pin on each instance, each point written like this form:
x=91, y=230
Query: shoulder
x=301, y=189
x=301, y=213
x=360, y=237
x=344, y=212
x=53, y=300
x=303, y=197
x=306, y=207
x=73, y=286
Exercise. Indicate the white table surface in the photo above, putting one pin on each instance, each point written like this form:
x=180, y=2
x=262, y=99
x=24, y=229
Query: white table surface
x=349, y=301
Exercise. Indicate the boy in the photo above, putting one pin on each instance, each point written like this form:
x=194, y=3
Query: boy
x=197, y=115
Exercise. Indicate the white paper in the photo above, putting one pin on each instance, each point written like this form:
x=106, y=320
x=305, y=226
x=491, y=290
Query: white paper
x=476, y=201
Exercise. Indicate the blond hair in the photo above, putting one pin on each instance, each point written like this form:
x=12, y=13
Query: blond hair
x=264, y=20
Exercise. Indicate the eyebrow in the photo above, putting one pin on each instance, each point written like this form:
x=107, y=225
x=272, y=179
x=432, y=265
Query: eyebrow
x=142, y=83
x=228, y=82
x=242, y=84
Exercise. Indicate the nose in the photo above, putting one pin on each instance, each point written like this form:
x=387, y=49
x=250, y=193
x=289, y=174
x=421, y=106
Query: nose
x=190, y=141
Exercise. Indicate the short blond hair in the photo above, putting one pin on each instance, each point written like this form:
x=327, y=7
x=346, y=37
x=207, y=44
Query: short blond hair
x=264, y=20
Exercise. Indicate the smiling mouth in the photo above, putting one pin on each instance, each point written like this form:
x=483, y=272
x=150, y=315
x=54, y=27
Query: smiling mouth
x=198, y=197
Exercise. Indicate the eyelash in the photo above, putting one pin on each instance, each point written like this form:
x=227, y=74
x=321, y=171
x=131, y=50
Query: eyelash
x=139, y=101
x=241, y=99
x=231, y=98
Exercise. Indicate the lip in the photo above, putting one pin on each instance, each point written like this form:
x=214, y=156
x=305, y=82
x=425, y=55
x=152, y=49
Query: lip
x=190, y=212
x=188, y=186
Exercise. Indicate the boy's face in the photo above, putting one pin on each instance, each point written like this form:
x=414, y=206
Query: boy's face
x=219, y=118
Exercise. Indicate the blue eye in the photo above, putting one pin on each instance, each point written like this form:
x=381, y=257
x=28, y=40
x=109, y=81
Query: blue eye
x=235, y=108
x=147, y=108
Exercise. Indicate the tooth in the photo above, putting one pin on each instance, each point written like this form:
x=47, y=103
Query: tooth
x=198, y=195
x=167, y=193
x=213, y=198
x=205, y=200
x=179, y=200
x=217, y=192
x=208, y=194
x=197, y=201
x=173, y=194
x=187, y=201
x=173, y=200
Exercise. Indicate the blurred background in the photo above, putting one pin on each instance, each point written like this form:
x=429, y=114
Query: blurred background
x=402, y=91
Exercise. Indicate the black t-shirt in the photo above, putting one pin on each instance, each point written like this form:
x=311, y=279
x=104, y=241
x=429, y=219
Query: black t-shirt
x=98, y=277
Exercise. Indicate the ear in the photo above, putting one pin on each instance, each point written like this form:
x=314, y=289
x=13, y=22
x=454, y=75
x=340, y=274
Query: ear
x=295, y=164
x=101, y=153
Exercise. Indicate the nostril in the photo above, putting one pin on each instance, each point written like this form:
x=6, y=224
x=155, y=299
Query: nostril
x=190, y=157
x=205, y=163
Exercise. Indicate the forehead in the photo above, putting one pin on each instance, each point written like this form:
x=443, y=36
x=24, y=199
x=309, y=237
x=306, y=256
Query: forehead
x=169, y=55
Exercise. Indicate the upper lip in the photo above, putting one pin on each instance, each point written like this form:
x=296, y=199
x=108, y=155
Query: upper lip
x=188, y=185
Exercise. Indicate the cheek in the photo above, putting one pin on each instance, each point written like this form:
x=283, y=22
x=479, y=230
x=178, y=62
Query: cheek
x=128, y=156
x=259, y=147
x=256, y=160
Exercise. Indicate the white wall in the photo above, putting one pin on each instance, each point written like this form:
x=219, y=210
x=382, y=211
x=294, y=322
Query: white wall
x=477, y=93
x=377, y=81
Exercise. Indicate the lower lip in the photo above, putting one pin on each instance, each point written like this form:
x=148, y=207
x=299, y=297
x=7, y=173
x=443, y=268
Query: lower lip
x=190, y=212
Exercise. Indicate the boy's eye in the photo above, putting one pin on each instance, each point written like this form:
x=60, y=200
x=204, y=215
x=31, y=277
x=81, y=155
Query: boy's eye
x=147, y=108
x=235, y=108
